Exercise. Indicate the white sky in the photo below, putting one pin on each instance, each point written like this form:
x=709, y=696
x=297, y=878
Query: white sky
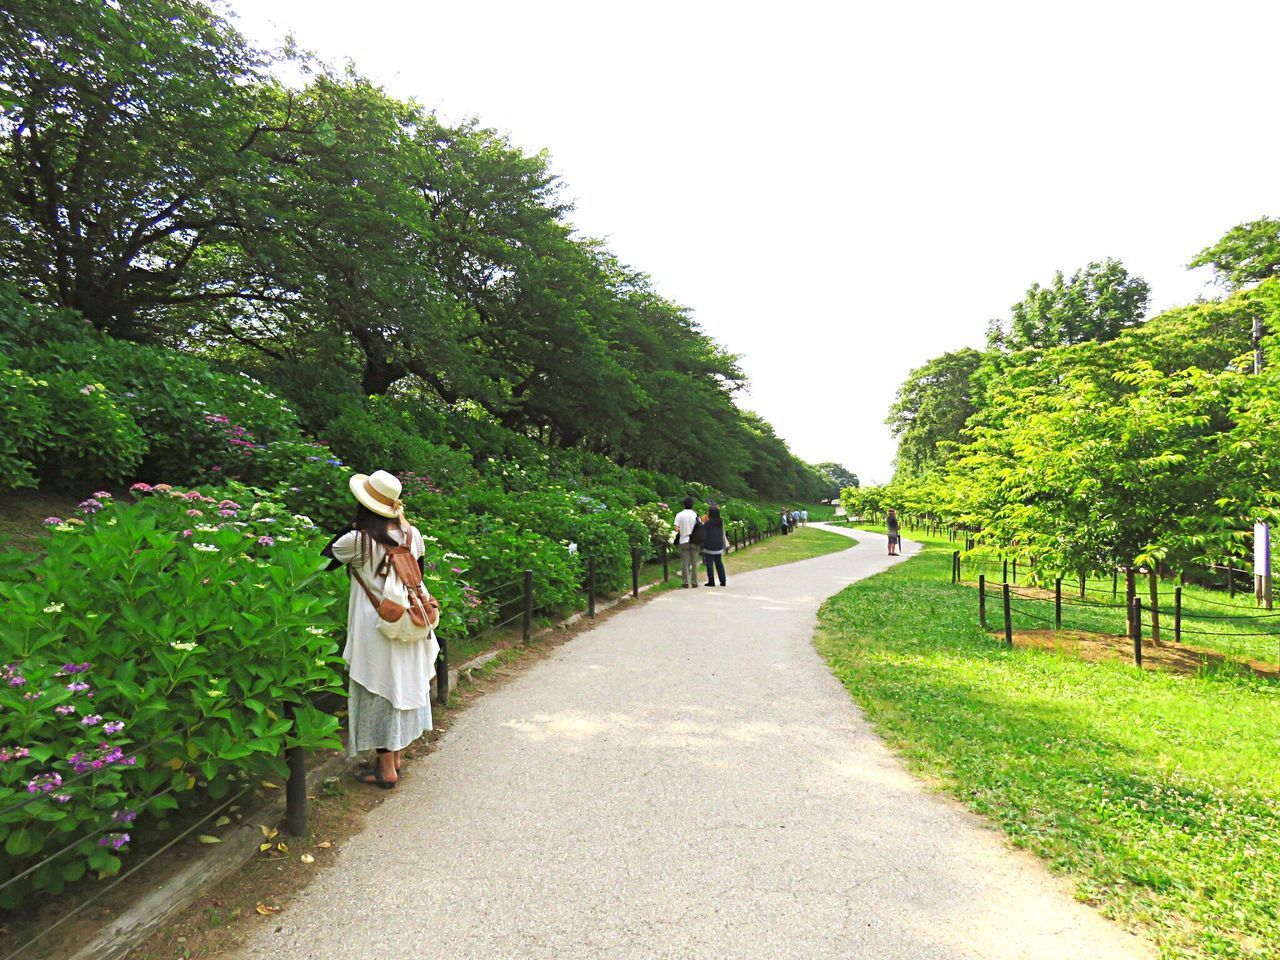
x=842, y=191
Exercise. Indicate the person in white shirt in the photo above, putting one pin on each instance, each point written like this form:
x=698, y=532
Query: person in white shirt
x=686, y=521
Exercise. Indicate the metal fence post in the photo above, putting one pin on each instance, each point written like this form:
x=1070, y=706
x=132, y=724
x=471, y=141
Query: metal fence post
x=1057, y=604
x=635, y=572
x=528, y=605
x=591, y=586
x=1015, y=569
x=442, y=671
x=666, y=566
x=1005, y=571
x=982, y=600
x=1008, y=619
x=295, y=803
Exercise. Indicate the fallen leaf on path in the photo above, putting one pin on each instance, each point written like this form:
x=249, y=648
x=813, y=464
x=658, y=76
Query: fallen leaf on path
x=266, y=909
x=269, y=785
x=205, y=838
x=307, y=858
x=222, y=821
x=267, y=832
x=324, y=844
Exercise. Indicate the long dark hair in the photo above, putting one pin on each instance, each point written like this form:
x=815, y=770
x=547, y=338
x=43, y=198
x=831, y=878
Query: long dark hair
x=372, y=527
x=713, y=515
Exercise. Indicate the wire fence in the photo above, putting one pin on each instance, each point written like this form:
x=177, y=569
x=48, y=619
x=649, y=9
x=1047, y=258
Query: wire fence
x=1035, y=606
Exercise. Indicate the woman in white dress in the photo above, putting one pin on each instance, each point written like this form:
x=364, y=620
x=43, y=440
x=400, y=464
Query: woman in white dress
x=390, y=688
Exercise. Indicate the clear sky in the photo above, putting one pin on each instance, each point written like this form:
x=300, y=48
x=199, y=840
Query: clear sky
x=840, y=191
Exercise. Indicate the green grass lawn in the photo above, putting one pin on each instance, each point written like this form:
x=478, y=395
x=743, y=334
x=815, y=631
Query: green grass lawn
x=1158, y=794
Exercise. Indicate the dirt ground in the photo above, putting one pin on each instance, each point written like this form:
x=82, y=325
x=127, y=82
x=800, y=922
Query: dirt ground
x=1179, y=658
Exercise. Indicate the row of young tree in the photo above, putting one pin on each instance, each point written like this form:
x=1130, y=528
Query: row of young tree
x=1089, y=437
x=177, y=186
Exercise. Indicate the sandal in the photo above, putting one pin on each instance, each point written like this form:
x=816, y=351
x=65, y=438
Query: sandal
x=363, y=776
x=367, y=765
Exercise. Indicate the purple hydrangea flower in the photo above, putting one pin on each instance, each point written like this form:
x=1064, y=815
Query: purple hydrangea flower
x=114, y=726
x=44, y=783
x=266, y=542
x=91, y=721
x=64, y=709
x=51, y=521
x=77, y=687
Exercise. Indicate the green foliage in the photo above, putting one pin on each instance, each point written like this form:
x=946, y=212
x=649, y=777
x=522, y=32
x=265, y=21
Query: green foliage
x=1248, y=253
x=931, y=409
x=837, y=476
x=1097, y=303
x=1157, y=795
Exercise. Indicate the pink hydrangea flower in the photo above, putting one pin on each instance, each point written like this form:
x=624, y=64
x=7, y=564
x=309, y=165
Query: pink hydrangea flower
x=266, y=542
x=194, y=513
x=141, y=487
x=51, y=521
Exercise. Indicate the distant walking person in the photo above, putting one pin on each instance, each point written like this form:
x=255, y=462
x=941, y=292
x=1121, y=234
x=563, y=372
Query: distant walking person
x=895, y=538
x=688, y=542
x=713, y=544
x=786, y=522
x=804, y=517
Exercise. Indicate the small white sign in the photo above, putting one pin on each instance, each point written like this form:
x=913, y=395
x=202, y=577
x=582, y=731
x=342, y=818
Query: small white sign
x=1261, y=550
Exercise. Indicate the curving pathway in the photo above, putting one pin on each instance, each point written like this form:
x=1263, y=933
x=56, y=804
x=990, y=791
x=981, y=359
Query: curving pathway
x=687, y=780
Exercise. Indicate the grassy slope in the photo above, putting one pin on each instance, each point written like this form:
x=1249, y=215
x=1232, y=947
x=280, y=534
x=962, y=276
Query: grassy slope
x=1158, y=794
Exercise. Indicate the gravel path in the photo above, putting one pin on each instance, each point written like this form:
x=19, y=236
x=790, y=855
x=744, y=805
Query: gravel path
x=687, y=780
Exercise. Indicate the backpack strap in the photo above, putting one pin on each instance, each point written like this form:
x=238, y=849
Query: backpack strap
x=351, y=570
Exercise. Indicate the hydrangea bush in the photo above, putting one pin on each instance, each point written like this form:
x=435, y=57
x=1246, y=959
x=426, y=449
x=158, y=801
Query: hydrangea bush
x=153, y=654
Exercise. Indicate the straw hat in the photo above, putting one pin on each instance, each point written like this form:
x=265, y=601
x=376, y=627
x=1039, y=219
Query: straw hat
x=379, y=491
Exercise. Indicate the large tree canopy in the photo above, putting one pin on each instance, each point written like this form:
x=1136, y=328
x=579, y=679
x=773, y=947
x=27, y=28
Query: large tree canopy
x=1247, y=253
x=1097, y=303
x=156, y=176
x=932, y=408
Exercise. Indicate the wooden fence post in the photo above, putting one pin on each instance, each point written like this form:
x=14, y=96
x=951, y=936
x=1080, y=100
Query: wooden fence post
x=1177, y=615
x=1057, y=604
x=528, y=606
x=1153, y=581
x=1135, y=630
x=982, y=600
x=1008, y=619
x=1130, y=594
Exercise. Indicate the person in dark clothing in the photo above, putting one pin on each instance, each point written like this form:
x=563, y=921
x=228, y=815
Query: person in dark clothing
x=895, y=538
x=713, y=544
